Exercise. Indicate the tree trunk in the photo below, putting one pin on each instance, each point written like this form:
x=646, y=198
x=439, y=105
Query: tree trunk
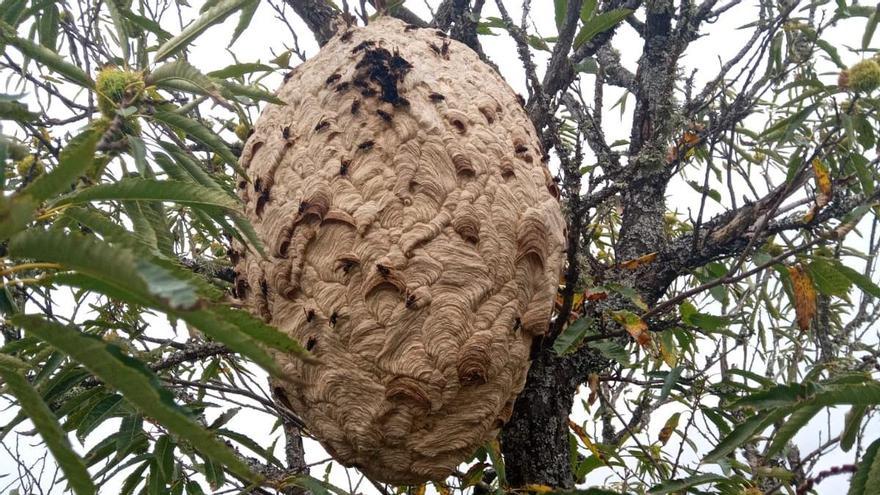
x=535, y=440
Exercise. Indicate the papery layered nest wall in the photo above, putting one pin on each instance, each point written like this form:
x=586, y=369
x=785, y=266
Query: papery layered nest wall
x=414, y=242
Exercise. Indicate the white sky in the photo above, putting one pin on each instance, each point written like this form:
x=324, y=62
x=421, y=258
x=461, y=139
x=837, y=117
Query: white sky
x=267, y=37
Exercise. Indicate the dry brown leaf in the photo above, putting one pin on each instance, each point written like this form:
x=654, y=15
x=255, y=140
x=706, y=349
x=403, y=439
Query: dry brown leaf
x=637, y=262
x=669, y=428
x=599, y=295
x=804, y=296
x=593, y=381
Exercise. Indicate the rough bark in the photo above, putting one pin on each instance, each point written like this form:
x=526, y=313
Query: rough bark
x=319, y=15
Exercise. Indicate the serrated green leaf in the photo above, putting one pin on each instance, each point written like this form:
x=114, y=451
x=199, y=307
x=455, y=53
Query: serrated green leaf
x=268, y=335
x=827, y=279
x=743, y=432
x=13, y=110
x=117, y=10
x=870, y=28
x=201, y=134
x=798, y=419
x=75, y=159
x=568, y=339
x=216, y=14
x=866, y=480
x=599, y=24
x=180, y=70
x=677, y=486
x=244, y=20
x=253, y=92
x=44, y=56
x=852, y=426
x=99, y=412
x=860, y=280
x=136, y=382
x=47, y=425
x=136, y=189
x=238, y=70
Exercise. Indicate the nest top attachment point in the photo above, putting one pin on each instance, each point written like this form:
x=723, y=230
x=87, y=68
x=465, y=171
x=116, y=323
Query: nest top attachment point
x=414, y=243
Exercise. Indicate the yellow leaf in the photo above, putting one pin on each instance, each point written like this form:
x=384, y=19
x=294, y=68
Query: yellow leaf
x=420, y=490
x=669, y=428
x=804, y=296
x=668, y=351
x=641, y=260
x=823, y=183
x=634, y=325
x=582, y=434
x=537, y=488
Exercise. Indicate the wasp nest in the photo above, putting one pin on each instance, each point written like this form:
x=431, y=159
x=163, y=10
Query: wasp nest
x=414, y=243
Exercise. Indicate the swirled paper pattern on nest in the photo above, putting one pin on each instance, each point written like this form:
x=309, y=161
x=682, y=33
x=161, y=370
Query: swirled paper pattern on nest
x=414, y=243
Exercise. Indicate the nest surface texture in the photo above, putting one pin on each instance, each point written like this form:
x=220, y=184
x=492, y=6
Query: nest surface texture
x=414, y=241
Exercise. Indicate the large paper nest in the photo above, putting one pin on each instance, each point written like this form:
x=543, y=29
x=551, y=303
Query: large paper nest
x=414, y=243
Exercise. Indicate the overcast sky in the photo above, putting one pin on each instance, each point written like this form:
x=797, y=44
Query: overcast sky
x=267, y=37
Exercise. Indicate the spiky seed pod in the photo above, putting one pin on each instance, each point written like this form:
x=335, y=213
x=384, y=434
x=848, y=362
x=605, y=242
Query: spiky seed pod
x=242, y=130
x=414, y=245
x=29, y=166
x=115, y=86
x=864, y=76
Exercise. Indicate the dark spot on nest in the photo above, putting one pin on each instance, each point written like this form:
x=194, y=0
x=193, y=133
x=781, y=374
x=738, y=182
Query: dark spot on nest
x=285, y=132
x=410, y=27
x=332, y=79
x=258, y=184
x=366, y=145
x=436, y=97
x=520, y=148
x=261, y=202
x=355, y=106
x=387, y=117
x=288, y=76
x=322, y=125
x=347, y=265
x=343, y=86
x=362, y=45
x=333, y=317
x=310, y=315
x=311, y=343
x=346, y=36
x=343, y=168
x=434, y=47
x=264, y=288
x=385, y=70
x=444, y=50
x=302, y=206
x=410, y=300
x=521, y=100
x=401, y=102
x=240, y=288
x=517, y=324
x=242, y=184
x=383, y=270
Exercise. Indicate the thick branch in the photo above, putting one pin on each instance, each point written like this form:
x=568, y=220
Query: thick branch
x=321, y=16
